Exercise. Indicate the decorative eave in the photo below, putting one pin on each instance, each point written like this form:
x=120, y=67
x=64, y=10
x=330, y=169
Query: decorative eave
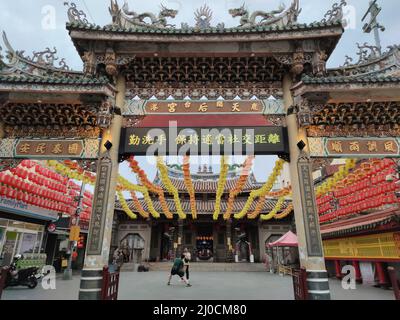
x=203, y=207
x=206, y=183
x=373, y=77
x=152, y=34
x=370, y=65
x=54, y=85
x=22, y=74
x=347, y=89
x=177, y=39
x=363, y=224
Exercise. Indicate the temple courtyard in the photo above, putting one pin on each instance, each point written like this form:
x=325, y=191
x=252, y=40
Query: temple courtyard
x=206, y=286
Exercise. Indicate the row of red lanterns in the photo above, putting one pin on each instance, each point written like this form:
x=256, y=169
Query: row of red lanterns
x=50, y=174
x=28, y=164
x=31, y=199
x=205, y=238
x=16, y=183
x=364, y=184
x=73, y=186
x=324, y=199
x=47, y=183
x=373, y=203
x=325, y=208
x=14, y=187
x=370, y=192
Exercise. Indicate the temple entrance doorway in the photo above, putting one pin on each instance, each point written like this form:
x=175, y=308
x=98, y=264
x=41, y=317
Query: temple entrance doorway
x=205, y=243
x=166, y=246
x=243, y=247
x=133, y=245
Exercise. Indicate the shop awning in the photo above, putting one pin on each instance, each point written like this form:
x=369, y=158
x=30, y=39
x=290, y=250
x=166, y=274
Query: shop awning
x=287, y=240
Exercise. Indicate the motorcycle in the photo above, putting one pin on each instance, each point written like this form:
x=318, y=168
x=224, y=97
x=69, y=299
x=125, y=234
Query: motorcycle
x=24, y=277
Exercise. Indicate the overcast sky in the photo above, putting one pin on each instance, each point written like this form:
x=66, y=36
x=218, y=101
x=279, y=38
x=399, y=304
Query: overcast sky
x=27, y=26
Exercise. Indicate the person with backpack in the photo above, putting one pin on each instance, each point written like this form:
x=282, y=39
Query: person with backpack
x=177, y=270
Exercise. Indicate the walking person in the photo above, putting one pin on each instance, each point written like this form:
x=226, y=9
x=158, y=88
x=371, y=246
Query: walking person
x=186, y=261
x=177, y=269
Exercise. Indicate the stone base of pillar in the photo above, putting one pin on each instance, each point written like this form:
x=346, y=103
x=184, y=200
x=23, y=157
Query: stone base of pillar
x=91, y=284
x=318, y=285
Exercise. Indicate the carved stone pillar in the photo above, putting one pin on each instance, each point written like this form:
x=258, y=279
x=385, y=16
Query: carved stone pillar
x=305, y=209
x=101, y=223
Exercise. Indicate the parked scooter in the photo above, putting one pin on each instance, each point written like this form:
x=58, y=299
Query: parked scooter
x=25, y=277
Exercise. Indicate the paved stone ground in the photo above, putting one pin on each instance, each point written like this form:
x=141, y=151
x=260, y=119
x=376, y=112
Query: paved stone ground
x=206, y=286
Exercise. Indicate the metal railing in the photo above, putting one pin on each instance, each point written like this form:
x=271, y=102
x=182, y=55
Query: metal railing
x=110, y=285
x=299, y=277
x=395, y=282
x=3, y=277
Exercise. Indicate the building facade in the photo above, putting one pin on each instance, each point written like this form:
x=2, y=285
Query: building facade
x=207, y=239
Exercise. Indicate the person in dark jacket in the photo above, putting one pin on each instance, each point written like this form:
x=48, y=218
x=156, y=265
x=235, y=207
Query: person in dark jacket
x=177, y=270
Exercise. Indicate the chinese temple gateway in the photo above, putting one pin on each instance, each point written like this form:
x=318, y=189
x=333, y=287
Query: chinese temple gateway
x=260, y=88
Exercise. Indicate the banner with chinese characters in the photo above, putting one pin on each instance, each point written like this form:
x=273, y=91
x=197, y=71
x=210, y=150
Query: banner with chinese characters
x=354, y=147
x=49, y=149
x=310, y=211
x=204, y=141
x=165, y=107
x=99, y=211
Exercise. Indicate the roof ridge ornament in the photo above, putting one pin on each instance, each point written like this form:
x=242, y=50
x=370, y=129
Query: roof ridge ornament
x=75, y=15
x=336, y=13
x=279, y=17
x=124, y=18
x=203, y=17
x=41, y=64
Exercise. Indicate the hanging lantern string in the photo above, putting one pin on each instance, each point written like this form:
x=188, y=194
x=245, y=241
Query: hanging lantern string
x=170, y=187
x=331, y=183
x=134, y=165
x=125, y=185
x=189, y=186
x=262, y=192
x=125, y=206
x=221, y=186
x=239, y=186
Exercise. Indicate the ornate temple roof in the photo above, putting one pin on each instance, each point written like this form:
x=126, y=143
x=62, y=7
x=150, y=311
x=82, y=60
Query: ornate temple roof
x=371, y=67
x=151, y=50
x=44, y=70
x=361, y=223
x=203, y=207
x=204, y=183
x=126, y=21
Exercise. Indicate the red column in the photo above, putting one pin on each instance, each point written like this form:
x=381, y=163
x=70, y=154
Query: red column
x=356, y=266
x=338, y=269
x=382, y=278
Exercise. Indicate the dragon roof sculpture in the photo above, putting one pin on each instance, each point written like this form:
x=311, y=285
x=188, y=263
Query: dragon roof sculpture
x=280, y=17
x=125, y=18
